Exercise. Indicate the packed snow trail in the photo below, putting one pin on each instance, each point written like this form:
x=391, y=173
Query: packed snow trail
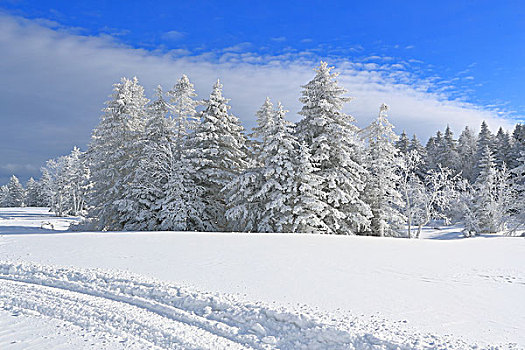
x=152, y=314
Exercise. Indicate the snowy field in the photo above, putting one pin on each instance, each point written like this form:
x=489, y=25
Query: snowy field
x=262, y=291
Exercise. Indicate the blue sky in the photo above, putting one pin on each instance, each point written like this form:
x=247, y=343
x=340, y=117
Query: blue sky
x=435, y=63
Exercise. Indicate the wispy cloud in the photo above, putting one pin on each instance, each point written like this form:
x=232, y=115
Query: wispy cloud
x=279, y=39
x=173, y=35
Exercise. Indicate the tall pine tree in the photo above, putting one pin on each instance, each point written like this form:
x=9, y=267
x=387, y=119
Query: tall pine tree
x=336, y=153
x=384, y=163
x=112, y=156
x=217, y=153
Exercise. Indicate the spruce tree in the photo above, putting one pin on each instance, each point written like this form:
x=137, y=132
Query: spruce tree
x=403, y=143
x=32, y=193
x=151, y=174
x=503, y=149
x=485, y=139
x=217, y=152
x=492, y=194
x=384, y=164
x=421, y=154
x=467, y=154
x=112, y=156
x=265, y=117
x=336, y=153
x=16, y=194
x=450, y=157
x=4, y=191
x=183, y=110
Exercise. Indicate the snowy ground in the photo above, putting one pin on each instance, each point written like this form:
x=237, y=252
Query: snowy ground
x=141, y=290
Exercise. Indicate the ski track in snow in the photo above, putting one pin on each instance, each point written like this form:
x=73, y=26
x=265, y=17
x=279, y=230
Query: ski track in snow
x=153, y=314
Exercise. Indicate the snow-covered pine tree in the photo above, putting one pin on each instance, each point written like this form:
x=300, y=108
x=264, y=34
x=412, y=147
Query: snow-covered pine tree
x=244, y=210
x=492, y=194
x=517, y=145
x=183, y=111
x=265, y=116
x=277, y=190
x=417, y=148
x=449, y=158
x=45, y=192
x=503, y=149
x=435, y=151
x=336, y=153
x=158, y=147
x=279, y=159
x=112, y=156
x=58, y=186
x=307, y=201
x=467, y=154
x=217, y=152
x=485, y=139
x=403, y=143
x=431, y=150
x=384, y=165
x=4, y=191
x=76, y=174
x=518, y=183
x=181, y=208
x=16, y=194
x=32, y=193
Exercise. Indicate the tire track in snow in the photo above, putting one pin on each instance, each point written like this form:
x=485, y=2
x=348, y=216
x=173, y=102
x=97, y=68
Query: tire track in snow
x=156, y=314
x=248, y=326
x=146, y=328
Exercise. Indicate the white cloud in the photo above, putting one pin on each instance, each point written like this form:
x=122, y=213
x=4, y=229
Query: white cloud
x=173, y=35
x=54, y=83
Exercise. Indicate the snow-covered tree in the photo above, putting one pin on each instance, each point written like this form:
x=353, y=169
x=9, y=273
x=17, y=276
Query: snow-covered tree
x=431, y=199
x=381, y=190
x=265, y=117
x=517, y=145
x=307, y=202
x=45, y=188
x=279, y=195
x=519, y=187
x=485, y=139
x=467, y=154
x=182, y=206
x=432, y=149
x=449, y=156
x=183, y=110
x=32, y=193
x=417, y=148
x=277, y=190
x=76, y=173
x=243, y=209
x=403, y=143
x=217, y=152
x=112, y=158
x=16, y=194
x=410, y=187
x=336, y=153
x=57, y=186
x=157, y=147
x=492, y=196
x=503, y=149
x=4, y=191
